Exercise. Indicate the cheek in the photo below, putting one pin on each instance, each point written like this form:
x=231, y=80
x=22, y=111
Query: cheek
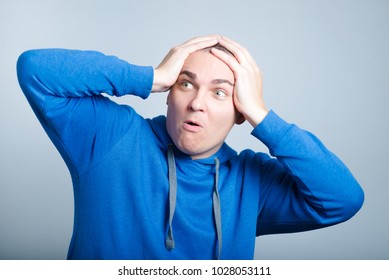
x=174, y=114
x=224, y=117
x=176, y=102
x=172, y=108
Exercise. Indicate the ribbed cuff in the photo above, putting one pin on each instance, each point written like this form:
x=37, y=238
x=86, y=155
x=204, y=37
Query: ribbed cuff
x=140, y=81
x=271, y=130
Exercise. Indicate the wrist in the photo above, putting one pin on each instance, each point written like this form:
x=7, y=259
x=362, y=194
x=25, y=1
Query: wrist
x=256, y=116
x=158, y=84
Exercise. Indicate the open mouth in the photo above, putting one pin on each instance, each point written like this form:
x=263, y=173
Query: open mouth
x=192, y=126
x=192, y=123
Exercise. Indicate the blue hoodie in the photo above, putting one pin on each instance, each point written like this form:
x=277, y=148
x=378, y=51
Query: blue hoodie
x=136, y=198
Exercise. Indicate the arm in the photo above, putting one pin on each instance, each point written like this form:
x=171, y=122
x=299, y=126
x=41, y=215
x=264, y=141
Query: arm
x=64, y=89
x=74, y=73
x=306, y=186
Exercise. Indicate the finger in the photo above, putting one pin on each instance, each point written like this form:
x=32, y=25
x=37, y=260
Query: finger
x=181, y=52
x=240, y=52
x=198, y=44
x=231, y=61
x=201, y=38
x=200, y=41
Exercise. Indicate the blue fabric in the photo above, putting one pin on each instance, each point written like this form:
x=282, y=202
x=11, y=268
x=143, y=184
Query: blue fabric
x=117, y=161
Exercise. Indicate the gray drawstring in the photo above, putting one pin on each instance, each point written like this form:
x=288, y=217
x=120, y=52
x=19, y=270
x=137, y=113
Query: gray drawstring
x=216, y=209
x=172, y=196
x=169, y=242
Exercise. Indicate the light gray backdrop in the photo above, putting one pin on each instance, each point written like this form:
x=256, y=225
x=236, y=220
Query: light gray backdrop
x=325, y=66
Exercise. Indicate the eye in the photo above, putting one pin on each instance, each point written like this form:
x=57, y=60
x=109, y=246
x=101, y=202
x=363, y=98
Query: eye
x=186, y=85
x=220, y=94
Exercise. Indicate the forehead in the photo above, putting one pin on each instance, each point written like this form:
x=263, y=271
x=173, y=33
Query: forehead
x=207, y=67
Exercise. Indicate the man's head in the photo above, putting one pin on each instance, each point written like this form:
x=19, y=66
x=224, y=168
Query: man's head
x=201, y=109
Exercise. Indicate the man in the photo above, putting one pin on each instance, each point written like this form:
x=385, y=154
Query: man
x=170, y=187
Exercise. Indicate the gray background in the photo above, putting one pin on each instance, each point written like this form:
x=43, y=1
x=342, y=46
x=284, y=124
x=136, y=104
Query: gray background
x=325, y=66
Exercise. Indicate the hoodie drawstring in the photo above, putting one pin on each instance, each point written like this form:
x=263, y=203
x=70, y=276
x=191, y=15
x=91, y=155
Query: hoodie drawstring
x=172, y=196
x=169, y=242
x=216, y=209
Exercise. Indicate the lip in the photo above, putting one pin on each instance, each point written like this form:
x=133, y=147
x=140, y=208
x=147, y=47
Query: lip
x=192, y=126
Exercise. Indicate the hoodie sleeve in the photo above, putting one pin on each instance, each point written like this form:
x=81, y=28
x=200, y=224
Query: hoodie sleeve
x=64, y=89
x=305, y=186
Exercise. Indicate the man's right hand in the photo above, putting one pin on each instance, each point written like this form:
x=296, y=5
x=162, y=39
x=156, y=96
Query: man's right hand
x=167, y=72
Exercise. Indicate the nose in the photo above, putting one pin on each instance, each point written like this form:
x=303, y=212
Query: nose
x=198, y=102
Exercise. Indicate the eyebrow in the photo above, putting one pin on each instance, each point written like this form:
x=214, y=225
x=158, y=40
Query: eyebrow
x=215, y=81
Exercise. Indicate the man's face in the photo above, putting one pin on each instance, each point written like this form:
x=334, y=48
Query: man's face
x=201, y=110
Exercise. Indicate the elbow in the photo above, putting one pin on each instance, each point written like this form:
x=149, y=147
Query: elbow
x=350, y=204
x=33, y=75
x=26, y=68
x=355, y=202
x=341, y=206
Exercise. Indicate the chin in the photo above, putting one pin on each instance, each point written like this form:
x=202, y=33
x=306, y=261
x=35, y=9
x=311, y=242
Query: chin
x=187, y=150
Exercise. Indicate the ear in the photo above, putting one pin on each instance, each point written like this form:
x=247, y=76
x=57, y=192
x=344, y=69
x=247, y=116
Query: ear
x=240, y=119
